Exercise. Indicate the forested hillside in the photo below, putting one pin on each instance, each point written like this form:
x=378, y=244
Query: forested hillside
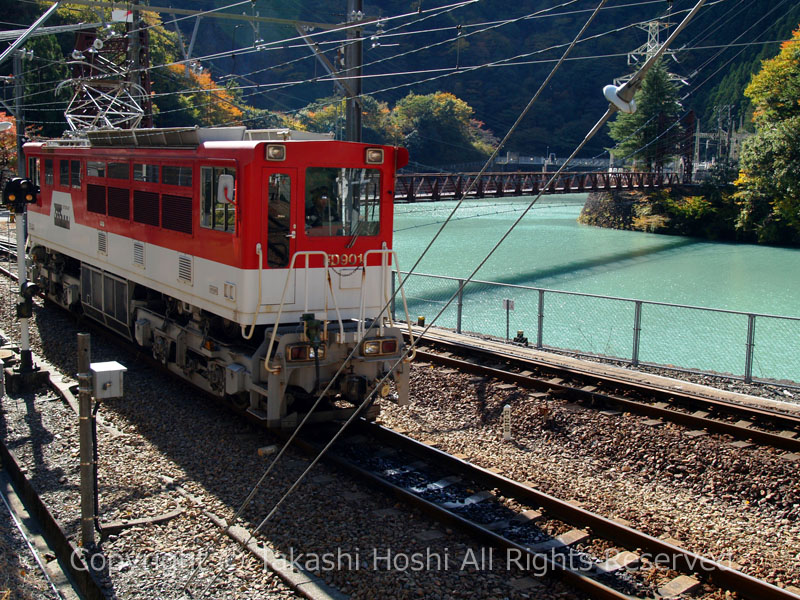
x=573, y=101
x=490, y=54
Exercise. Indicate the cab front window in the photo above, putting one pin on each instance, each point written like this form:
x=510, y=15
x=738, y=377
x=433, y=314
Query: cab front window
x=342, y=201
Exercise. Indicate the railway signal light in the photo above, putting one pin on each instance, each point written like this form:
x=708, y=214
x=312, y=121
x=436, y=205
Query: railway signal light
x=25, y=306
x=18, y=192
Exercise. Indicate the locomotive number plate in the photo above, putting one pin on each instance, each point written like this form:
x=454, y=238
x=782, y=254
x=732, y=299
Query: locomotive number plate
x=345, y=260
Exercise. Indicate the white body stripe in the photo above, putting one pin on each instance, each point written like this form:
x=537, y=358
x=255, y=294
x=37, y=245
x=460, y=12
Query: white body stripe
x=211, y=281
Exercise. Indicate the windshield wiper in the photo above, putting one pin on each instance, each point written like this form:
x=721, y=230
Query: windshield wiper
x=356, y=233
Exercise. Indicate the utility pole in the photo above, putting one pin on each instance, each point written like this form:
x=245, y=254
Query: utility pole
x=19, y=112
x=133, y=43
x=139, y=53
x=353, y=61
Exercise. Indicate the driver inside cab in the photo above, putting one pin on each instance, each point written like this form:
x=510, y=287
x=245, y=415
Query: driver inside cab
x=322, y=210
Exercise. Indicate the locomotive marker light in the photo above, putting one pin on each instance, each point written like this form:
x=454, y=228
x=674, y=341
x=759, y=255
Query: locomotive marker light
x=276, y=152
x=17, y=194
x=374, y=156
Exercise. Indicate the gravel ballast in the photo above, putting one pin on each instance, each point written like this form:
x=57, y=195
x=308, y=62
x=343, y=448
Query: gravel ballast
x=727, y=503
x=168, y=430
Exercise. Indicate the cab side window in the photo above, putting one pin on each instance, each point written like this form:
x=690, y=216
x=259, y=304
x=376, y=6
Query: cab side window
x=48, y=171
x=215, y=212
x=33, y=170
x=75, y=173
x=63, y=173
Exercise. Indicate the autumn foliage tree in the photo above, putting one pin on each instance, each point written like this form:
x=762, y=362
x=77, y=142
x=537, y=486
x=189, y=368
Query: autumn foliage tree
x=8, y=144
x=769, y=177
x=196, y=99
x=438, y=129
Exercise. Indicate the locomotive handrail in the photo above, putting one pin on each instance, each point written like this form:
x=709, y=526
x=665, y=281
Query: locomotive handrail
x=385, y=253
x=258, y=304
x=306, y=254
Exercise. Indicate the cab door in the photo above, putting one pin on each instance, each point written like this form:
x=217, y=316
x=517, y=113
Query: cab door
x=279, y=232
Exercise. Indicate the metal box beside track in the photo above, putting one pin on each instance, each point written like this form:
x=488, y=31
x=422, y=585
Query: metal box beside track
x=107, y=379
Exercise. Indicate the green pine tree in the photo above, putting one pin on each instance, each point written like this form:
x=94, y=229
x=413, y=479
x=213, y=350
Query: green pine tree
x=645, y=135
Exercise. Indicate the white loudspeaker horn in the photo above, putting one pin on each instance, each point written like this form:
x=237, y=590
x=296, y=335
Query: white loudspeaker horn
x=97, y=44
x=611, y=92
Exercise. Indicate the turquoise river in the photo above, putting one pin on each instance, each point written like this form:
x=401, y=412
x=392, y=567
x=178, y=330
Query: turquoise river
x=550, y=249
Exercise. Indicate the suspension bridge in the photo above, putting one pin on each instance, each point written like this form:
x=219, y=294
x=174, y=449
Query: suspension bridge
x=431, y=187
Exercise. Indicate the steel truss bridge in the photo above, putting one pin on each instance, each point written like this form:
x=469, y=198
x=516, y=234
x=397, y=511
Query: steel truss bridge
x=430, y=187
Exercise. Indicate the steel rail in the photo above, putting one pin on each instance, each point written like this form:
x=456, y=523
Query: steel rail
x=680, y=559
x=69, y=555
x=759, y=416
x=573, y=578
x=29, y=544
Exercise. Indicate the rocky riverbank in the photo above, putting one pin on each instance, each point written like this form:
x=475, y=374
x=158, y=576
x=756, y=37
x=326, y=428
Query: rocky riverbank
x=707, y=212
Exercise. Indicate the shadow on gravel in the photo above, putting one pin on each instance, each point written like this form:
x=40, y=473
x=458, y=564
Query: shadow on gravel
x=209, y=443
x=29, y=437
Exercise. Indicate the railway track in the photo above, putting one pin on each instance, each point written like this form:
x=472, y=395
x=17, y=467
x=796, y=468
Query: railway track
x=701, y=413
x=547, y=535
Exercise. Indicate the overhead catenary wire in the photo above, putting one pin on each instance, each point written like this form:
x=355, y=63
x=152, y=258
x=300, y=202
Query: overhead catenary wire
x=34, y=106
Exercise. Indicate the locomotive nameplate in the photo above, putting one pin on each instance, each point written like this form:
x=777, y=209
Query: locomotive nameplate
x=62, y=210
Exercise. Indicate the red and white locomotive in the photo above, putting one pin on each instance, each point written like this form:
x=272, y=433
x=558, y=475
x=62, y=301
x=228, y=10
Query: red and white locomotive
x=250, y=262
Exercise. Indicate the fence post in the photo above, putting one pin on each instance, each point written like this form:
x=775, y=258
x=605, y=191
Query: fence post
x=459, y=305
x=637, y=332
x=392, y=306
x=751, y=342
x=540, y=326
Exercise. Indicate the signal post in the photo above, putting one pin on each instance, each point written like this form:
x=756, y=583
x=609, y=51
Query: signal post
x=17, y=194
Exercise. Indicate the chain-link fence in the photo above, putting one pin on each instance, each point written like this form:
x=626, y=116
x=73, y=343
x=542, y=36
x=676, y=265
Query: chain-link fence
x=747, y=345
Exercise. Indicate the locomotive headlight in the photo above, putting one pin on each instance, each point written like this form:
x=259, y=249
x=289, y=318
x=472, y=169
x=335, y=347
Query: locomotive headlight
x=374, y=156
x=276, y=152
x=371, y=347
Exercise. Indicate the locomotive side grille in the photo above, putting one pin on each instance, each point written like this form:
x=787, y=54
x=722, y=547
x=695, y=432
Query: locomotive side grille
x=96, y=198
x=138, y=254
x=102, y=242
x=119, y=203
x=185, y=268
x=176, y=213
x=145, y=207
